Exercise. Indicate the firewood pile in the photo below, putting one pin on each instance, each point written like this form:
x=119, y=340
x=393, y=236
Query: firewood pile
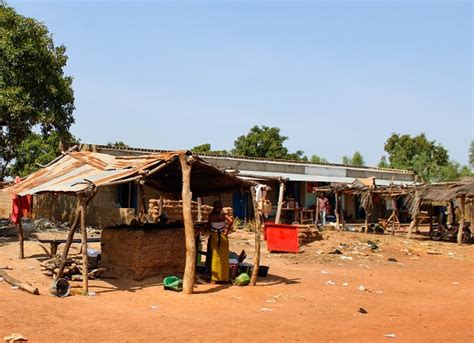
x=72, y=270
x=173, y=209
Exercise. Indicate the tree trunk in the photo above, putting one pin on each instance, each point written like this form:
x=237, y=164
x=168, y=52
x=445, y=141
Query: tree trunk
x=85, y=262
x=280, y=202
x=256, y=259
x=188, y=279
x=461, y=220
x=343, y=222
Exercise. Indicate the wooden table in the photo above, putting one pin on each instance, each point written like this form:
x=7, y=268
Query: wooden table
x=54, y=243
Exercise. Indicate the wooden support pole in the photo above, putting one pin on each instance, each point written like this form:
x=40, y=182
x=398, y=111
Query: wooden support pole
x=336, y=212
x=70, y=236
x=189, y=269
x=21, y=237
x=280, y=202
x=256, y=259
x=160, y=212
x=394, y=213
x=199, y=201
x=461, y=220
x=316, y=208
x=367, y=216
x=85, y=262
x=343, y=222
x=143, y=210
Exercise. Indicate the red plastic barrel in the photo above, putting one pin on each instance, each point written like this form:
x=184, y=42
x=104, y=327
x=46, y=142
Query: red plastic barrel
x=282, y=237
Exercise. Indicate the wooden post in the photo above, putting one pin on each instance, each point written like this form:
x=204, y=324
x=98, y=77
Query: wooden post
x=21, y=237
x=461, y=220
x=343, y=222
x=280, y=202
x=189, y=269
x=256, y=259
x=366, y=227
x=199, y=218
x=85, y=262
x=161, y=206
x=70, y=236
x=143, y=210
x=394, y=213
x=336, y=212
x=416, y=212
x=316, y=208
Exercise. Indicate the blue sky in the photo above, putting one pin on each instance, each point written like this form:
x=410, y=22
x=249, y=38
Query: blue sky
x=335, y=77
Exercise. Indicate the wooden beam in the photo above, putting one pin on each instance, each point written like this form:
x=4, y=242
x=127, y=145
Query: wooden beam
x=256, y=259
x=336, y=211
x=189, y=269
x=280, y=202
x=85, y=261
x=22, y=285
x=316, y=207
x=70, y=236
x=461, y=220
x=21, y=236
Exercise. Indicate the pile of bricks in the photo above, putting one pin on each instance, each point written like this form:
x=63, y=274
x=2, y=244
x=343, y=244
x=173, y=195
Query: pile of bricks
x=308, y=234
x=138, y=253
x=174, y=210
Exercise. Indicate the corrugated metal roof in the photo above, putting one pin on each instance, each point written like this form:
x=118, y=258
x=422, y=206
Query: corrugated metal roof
x=75, y=167
x=312, y=178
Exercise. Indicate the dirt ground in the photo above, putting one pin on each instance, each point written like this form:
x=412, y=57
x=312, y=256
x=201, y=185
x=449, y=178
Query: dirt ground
x=426, y=294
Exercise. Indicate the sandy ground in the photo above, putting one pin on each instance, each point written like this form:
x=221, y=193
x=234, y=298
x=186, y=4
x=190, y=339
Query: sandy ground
x=314, y=296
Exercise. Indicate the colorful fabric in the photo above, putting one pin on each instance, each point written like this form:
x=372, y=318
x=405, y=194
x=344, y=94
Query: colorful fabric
x=220, y=257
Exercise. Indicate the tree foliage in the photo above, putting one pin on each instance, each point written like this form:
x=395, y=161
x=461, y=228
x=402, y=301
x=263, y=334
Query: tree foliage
x=471, y=155
x=357, y=160
x=34, y=92
x=265, y=142
x=206, y=148
x=427, y=158
x=36, y=151
x=117, y=144
x=318, y=159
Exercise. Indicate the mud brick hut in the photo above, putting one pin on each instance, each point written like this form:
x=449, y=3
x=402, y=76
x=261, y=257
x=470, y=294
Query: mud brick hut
x=134, y=249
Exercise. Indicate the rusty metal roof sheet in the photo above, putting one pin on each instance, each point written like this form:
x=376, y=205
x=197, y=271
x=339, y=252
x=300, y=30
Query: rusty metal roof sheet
x=64, y=174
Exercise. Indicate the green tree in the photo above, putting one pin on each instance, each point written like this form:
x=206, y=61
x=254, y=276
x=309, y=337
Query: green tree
x=34, y=92
x=265, y=142
x=471, y=155
x=383, y=162
x=357, y=160
x=426, y=158
x=36, y=151
x=117, y=144
x=206, y=148
x=318, y=159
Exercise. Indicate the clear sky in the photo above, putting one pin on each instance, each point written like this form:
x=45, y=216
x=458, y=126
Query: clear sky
x=335, y=77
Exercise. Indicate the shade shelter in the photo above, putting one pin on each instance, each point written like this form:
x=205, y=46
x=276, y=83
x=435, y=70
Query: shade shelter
x=462, y=190
x=174, y=174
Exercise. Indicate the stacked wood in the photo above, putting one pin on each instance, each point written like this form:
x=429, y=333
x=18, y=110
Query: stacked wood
x=173, y=209
x=72, y=271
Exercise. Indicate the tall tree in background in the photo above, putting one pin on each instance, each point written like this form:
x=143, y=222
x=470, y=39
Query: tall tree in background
x=427, y=158
x=206, y=148
x=357, y=160
x=266, y=142
x=34, y=92
x=318, y=159
x=471, y=155
x=35, y=151
x=117, y=144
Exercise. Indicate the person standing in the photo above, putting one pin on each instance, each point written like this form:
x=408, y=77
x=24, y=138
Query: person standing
x=220, y=225
x=323, y=205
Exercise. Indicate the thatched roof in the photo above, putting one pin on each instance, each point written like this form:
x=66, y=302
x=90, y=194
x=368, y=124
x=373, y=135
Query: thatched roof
x=447, y=191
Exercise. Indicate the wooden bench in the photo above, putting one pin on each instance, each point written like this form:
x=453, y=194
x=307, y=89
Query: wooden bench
x=54, y=243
